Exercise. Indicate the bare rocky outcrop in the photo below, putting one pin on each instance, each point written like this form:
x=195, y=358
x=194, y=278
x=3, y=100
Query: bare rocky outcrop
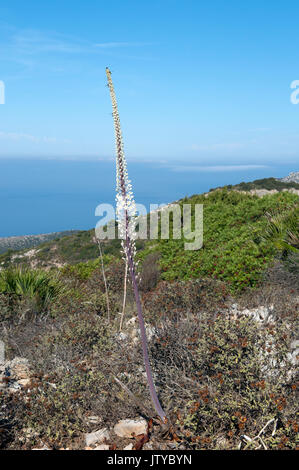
x=15, y=374
x=293, y=177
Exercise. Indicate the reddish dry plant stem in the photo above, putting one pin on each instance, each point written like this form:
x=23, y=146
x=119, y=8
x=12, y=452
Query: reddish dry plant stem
x=129, y=253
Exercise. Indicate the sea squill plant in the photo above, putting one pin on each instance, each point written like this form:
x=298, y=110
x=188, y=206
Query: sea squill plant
x=125, y=215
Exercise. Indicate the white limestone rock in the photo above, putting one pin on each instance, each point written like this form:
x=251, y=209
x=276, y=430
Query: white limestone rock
x=97, y=437
x=130, y=427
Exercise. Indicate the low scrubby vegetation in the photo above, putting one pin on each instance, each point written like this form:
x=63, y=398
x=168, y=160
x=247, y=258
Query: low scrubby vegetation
x=234, y=250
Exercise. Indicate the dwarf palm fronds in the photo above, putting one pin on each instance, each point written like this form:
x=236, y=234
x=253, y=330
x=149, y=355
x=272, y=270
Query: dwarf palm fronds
x=31, y=284
x=283, y=229
x=125, y=213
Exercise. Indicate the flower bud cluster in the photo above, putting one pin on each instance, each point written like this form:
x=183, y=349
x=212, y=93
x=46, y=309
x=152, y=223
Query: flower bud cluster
x=125, y=204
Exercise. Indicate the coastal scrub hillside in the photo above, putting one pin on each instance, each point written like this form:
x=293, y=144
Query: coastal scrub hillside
x=221, y=323
x=234, y=249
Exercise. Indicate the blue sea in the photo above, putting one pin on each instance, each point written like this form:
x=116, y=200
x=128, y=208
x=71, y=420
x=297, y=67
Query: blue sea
x=43, y=196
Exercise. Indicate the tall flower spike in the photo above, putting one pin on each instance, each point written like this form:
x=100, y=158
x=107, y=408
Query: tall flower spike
x=125, y=213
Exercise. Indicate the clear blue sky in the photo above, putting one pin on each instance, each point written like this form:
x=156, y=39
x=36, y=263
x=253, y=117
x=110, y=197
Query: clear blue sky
x=197, y=81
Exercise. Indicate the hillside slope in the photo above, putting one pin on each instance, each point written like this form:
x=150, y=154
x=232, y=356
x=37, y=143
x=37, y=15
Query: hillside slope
x=287, y=183
x=233, y=247
x=292, y=177
x=29, y=241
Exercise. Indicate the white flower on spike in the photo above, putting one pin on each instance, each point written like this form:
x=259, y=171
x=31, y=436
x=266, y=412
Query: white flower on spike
x=125, y=214
x=125, y=204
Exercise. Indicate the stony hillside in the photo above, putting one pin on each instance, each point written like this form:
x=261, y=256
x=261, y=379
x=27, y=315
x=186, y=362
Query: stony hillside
x=291, y=178
x=221, y=324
